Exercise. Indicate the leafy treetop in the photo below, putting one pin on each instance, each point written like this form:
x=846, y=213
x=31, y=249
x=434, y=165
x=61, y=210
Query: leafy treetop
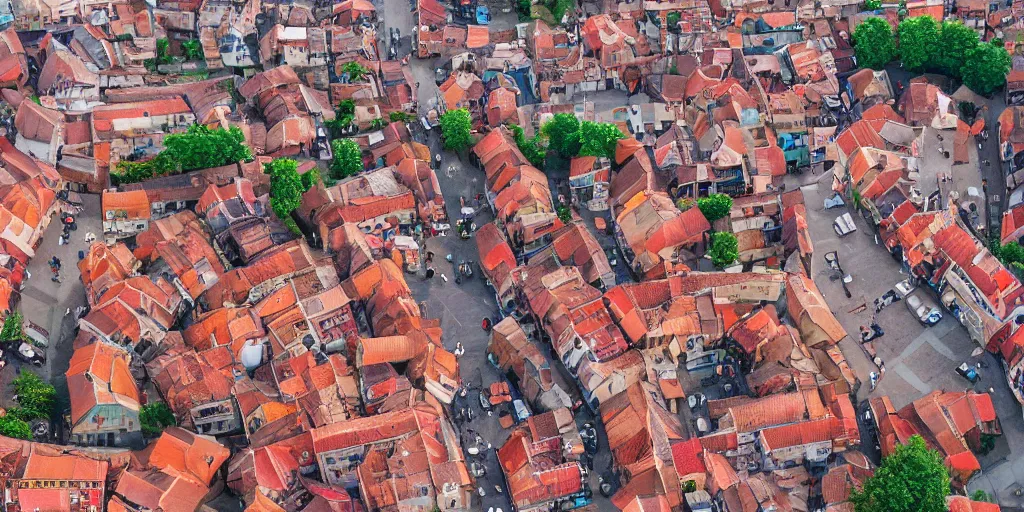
x=715, y=206
x=724, y=249
x=348, y=158
x=286, y=186
x=912, y=479
x=873, y=43
x=985, y=68
x=36, y=397
x=919, y=38
x=955, y=42
x=456, y=126
x=13, y=329
x=535, y=149
x=599, y=139
x=14, y=427
x=563, y=136
x=155, y=417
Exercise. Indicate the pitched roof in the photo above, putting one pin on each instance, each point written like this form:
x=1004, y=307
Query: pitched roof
x=98, y=375
x=797, y=434
x=192, y=455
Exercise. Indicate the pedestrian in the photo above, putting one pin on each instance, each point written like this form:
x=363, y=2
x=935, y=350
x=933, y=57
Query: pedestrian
x=865, y=333
x=430, y=270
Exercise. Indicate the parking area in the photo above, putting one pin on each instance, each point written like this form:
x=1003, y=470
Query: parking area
x=918, y=359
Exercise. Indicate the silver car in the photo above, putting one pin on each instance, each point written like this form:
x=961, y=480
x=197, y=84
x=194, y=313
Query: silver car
x=926, y=311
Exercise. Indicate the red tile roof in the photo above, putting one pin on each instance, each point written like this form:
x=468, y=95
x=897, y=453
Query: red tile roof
x=797, y=434
x=964, y=504
x=688, y=457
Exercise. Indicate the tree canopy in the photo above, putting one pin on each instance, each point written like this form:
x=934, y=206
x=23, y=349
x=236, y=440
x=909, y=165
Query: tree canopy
x=535, y=149
x=456, y=126
x=599, y=139
x=918, y=42
x=286, y=186
x=355, y=70
x=155, y=417
x=348, y=158
x=873, y=43
x=955, y=41
x=912, y=479
x=985, y=68
x=724, y=249
x=36, y=397
x=715, y=206
x=13, y=329
x=563, y=136
x=192, y=49
x=198, y=148
x=13, y=427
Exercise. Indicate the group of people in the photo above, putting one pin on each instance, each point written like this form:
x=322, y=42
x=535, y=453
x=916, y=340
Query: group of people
x=867, y=335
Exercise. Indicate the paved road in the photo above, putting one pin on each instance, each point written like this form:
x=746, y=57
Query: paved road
x=45, y=302
x=918, y=359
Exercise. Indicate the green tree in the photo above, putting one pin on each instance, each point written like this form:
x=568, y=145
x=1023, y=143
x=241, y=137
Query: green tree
x=981, y=495
x=563, y=133
x=202, y=148
x=163, y=51
x=873, y=43
x=599, y=139
x=192, y=50
x=344, y=116
x=919, y=39
x=378, y=123
x=36, y=397
x=13, y=329
x=564, y=213
x=724, y=249
x=13, y=427
x=355, y=70
x=985, y=68
x=286, y=186
x=1011, y=253
x=672, y=20
x=310, y=178
x=400, y=116
x=535, y=149
x=348, y=158
x=912, y=479
x=872, y=5
x=198, y=148
x=456, y=126
x=715, y=206
x=155, y=417
x=955, y=42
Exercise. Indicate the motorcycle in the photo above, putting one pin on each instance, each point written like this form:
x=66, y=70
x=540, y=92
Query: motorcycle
x=832, y=259
x=876, y=332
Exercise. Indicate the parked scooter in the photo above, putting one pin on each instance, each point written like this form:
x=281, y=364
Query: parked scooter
x=875, y=333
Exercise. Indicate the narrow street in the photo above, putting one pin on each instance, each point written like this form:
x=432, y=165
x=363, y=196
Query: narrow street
x=47, y=303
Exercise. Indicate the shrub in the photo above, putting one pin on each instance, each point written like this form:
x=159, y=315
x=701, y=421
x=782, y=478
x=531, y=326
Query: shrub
x=724, y=249
x=155, y=417
x=36, y=397
x=715, y=206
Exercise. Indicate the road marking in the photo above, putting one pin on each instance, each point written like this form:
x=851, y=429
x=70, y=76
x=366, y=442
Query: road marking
x=908, y=375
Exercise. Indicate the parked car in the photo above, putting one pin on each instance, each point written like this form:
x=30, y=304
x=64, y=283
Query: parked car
x=844, y=225
x=923, y=308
